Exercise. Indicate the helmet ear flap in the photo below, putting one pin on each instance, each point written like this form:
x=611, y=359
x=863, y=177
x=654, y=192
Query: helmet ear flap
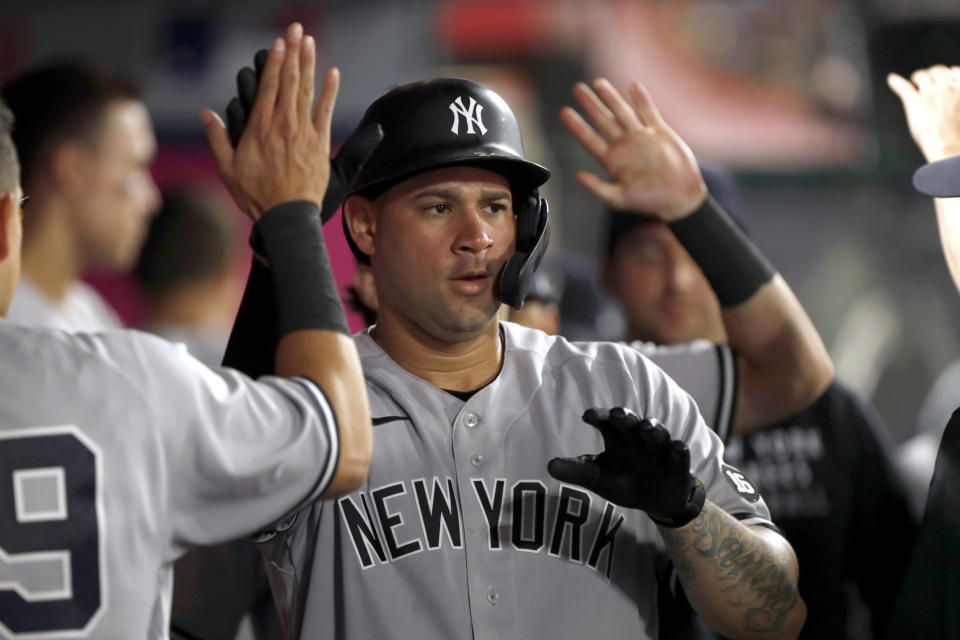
x=528, y=223
x=532, y=239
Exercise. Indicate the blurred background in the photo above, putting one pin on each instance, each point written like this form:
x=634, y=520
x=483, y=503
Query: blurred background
x=789, y=95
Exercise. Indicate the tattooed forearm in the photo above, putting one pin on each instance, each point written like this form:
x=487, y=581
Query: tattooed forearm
x=718, y=551
x=678, y=547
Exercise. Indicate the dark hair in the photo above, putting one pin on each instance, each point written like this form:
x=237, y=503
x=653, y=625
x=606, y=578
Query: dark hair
x=9, y=166
x=722, y=186
x=59, y=102
x=190, y=239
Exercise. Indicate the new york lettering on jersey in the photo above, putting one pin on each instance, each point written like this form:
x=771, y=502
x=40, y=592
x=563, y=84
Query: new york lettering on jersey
x=459, y=507
x=560, y=524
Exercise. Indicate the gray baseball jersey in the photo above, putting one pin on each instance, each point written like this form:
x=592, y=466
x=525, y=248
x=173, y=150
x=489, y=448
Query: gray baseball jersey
x=461, y=532
x=117, y=451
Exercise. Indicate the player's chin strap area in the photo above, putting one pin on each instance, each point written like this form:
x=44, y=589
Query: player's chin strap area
x=533, y=237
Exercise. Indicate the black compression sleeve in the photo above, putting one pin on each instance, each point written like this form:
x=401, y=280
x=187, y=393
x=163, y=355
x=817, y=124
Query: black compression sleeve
x=253, y=339
x=305, y=292
x=731, y=263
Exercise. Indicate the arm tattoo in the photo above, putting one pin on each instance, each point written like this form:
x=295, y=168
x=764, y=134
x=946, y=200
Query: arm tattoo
x=752, y=579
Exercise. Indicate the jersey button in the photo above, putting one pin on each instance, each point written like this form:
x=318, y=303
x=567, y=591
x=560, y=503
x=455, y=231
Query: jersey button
x=476, y=460
x=493, y=596
x=471, y=420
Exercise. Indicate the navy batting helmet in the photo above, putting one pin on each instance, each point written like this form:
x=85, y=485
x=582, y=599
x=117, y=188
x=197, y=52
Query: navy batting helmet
x=435, y=123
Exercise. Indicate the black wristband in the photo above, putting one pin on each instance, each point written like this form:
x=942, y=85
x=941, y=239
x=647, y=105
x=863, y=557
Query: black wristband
x=732, y=264
x=691, y=509
x=305, y=292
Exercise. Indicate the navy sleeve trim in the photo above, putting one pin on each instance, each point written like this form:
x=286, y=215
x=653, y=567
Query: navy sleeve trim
x=727, y=392
x=329, y=419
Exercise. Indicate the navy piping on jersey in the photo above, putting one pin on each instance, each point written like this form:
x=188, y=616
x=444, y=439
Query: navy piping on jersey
x=388, y=419
x=333, y=433
x=728, y=387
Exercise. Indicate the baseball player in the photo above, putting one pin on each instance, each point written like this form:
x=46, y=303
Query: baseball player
x=826, y=473
x=926, y=605
x=118, y=450
x=479, y=517
x=85, y=143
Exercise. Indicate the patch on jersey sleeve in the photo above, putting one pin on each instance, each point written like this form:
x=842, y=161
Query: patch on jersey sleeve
x=741, y=483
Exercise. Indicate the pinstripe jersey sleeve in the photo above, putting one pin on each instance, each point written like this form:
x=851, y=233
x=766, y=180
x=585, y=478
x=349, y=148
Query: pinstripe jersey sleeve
x=706, y=371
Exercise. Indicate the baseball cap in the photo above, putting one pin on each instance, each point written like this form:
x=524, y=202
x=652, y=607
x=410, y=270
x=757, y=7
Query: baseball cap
x=940, y=179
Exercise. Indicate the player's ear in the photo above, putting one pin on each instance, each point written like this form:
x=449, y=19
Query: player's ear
x=9, y=211
x=360, y=215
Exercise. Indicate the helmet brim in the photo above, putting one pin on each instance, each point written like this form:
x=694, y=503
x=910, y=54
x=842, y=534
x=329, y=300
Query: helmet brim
x=523, y=175
x=940, y=179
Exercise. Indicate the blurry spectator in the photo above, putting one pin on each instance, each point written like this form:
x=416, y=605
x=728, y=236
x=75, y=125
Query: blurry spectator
x=916, y=456
x=826, y=473
x=933, y=115
x=926, y=606
x=85, y=142
x=540, y=310
x=188, y=273
x=586, y=313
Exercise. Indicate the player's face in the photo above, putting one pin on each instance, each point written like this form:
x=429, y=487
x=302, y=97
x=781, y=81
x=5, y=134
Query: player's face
x=664, y=295
x=120, y=196
x=442, y=239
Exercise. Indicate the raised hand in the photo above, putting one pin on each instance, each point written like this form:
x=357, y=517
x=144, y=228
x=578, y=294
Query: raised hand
x=931, y=100
x=641, y=467
x=652, y=171
x=283, y=153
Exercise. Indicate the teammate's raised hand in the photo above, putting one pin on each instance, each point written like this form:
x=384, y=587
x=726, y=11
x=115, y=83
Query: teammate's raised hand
x=931, y=100
x=641, y=467
x=652, y=171
x=284, y=151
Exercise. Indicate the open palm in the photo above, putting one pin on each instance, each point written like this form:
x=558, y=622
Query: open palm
x=652, y=171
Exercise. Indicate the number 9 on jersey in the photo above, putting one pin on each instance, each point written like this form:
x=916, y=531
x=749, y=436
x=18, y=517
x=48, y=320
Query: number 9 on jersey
x=50, y=564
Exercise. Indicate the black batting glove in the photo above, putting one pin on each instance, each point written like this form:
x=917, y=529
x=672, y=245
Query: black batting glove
x=641, y=467
x=354, y=153
x=239, y=108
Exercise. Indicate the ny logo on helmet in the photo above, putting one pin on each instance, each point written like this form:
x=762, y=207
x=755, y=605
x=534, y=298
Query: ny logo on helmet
x=468, y=113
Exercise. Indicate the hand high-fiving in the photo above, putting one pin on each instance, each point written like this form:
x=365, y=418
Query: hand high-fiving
x=931, y=100
x=284, y=152
x=652, y=171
